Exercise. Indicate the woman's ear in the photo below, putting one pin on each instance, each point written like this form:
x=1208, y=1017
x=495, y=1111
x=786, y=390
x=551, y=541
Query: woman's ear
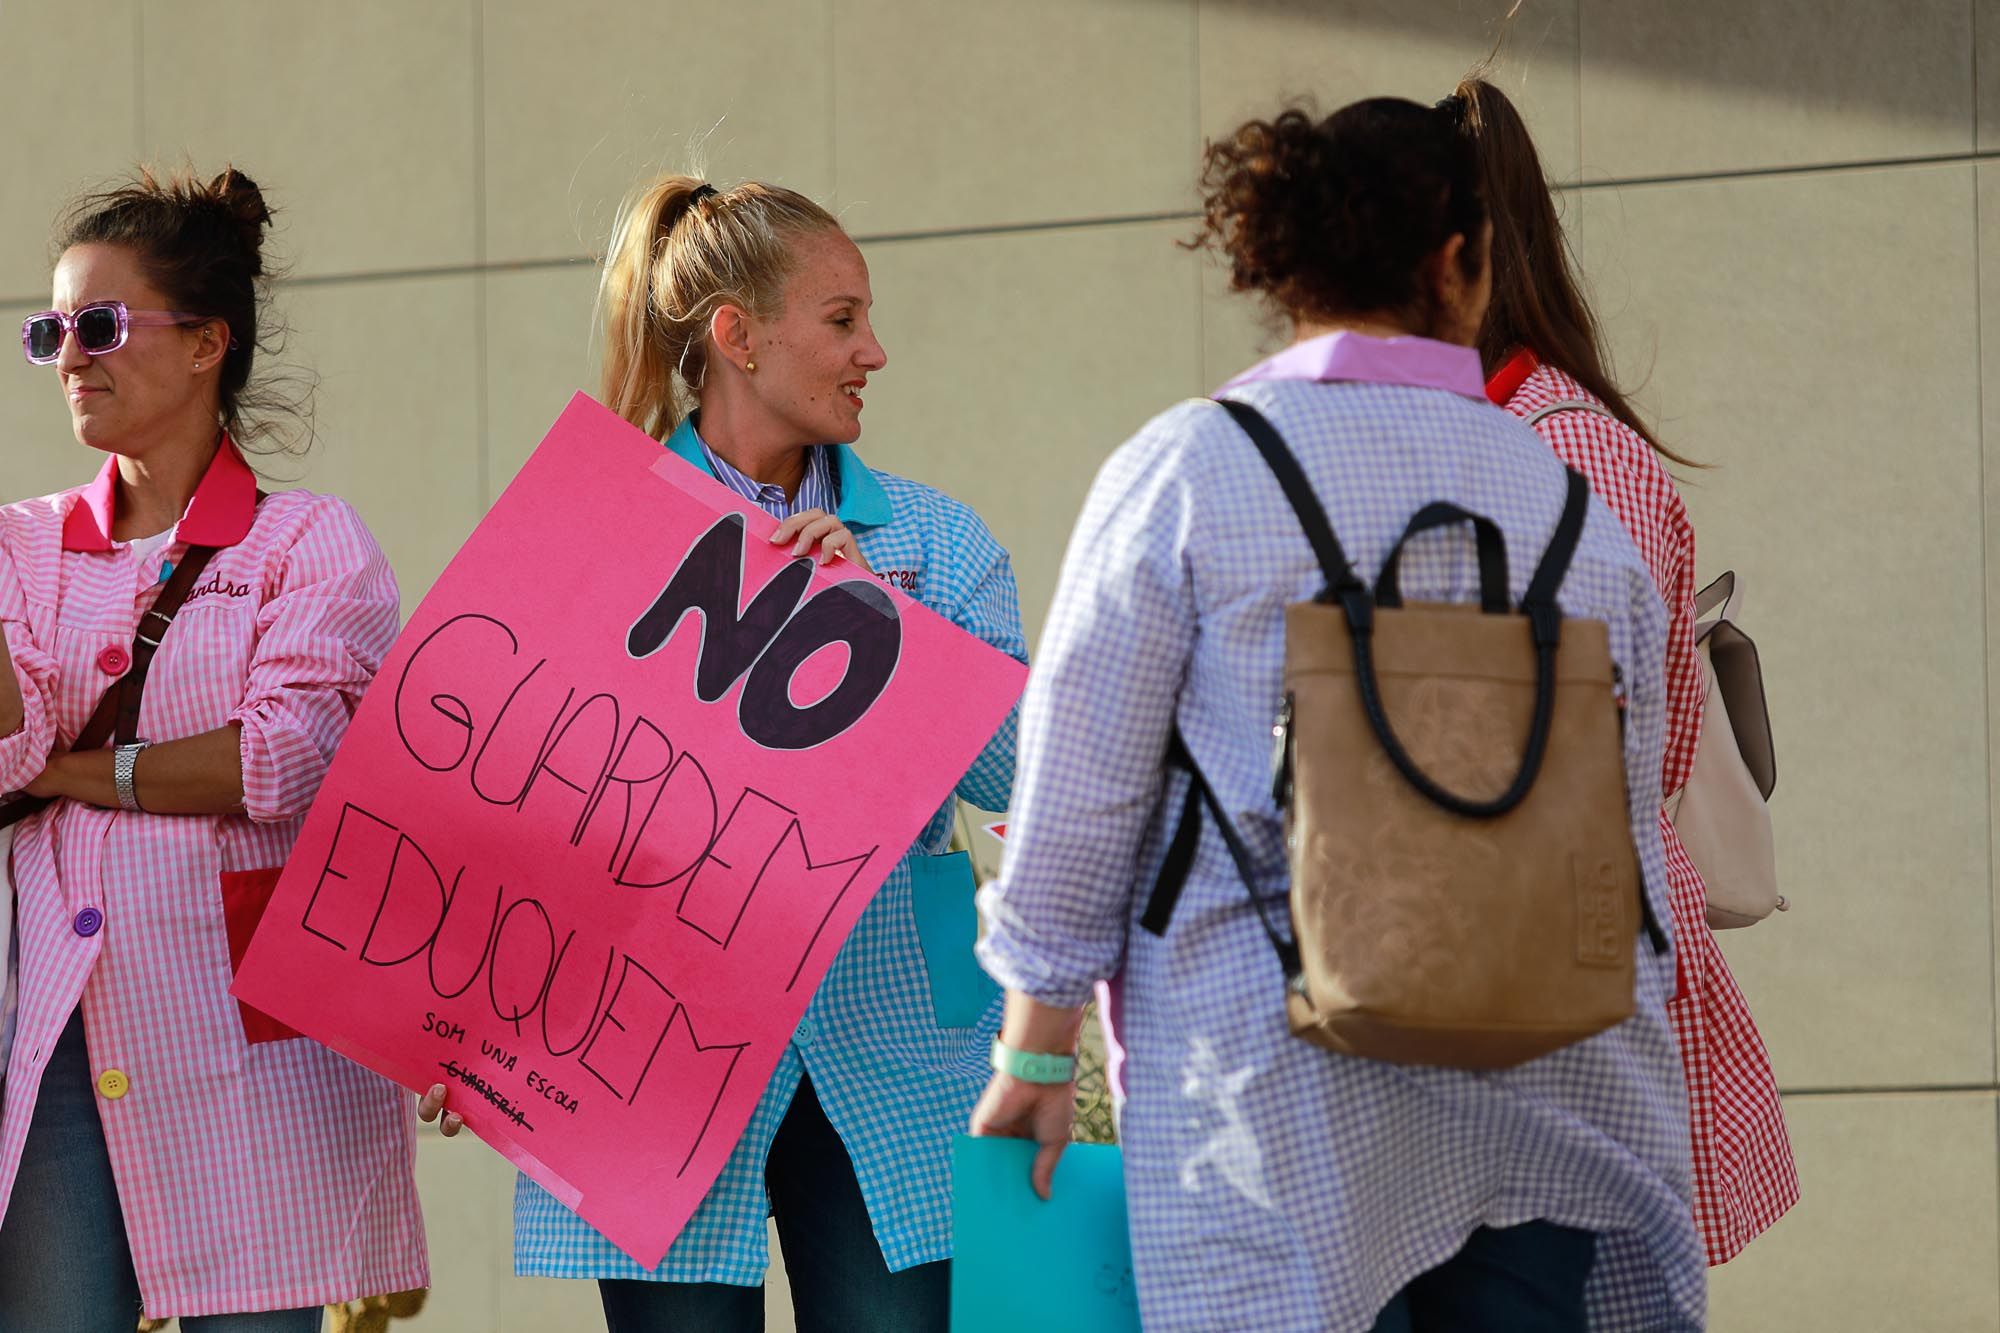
x=729, y=328
x=1460, y=296
x=211, y=343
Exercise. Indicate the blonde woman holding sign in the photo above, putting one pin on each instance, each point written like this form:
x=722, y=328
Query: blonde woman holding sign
x=737, y=332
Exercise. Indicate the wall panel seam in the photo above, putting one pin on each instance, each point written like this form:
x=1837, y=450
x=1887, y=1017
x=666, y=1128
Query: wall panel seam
x=1577, y=90
x=1799, y=169
x=1985, y=571
x=1060, y=224
x=1075, y=224
x=481, y=374
x=138, y=79
x=832, y=98
x=1890, y=1090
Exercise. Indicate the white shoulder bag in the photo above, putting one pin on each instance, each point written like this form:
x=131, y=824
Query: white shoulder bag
x=1721, y=812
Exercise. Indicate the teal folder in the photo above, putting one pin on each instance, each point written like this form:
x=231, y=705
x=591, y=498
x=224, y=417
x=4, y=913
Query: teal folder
x=1021, y=1264
x=941, y=889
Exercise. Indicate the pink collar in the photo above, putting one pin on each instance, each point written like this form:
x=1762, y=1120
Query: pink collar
x=220, y=514
x=1421, y=363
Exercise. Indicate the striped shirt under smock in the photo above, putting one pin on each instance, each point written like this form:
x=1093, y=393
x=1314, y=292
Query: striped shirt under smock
x=816, y=491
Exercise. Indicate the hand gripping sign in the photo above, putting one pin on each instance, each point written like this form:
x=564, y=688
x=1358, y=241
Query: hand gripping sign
x=608, y=811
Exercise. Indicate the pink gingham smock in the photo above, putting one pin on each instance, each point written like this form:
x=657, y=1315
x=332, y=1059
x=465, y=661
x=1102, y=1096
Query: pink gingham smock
x=251, y=1177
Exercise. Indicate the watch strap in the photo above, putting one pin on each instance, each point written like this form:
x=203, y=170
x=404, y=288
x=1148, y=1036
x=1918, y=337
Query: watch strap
x=1032, y=1066
x=124, y=767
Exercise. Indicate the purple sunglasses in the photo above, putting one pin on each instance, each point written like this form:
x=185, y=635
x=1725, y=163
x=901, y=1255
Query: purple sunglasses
x=100, y=327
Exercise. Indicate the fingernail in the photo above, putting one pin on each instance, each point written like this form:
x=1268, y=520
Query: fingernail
x=437, y=1089
x=799, y=547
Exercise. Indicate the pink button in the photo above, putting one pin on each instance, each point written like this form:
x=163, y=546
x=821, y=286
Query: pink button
x=113, y=661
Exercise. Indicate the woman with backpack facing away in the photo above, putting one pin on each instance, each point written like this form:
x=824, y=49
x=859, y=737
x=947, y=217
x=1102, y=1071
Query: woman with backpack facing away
x=1273, y=1183
x=1541, y=347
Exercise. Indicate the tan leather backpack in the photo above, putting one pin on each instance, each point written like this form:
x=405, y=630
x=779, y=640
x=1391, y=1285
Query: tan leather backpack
x=1464, y=890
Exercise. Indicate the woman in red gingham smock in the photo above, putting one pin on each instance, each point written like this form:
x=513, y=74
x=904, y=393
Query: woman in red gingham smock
x=158, y=1144
x=1743, y=1174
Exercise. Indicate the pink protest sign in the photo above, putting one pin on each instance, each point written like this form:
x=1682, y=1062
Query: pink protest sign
x=613, y=803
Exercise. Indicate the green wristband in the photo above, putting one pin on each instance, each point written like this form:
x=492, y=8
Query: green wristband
x=1032, y=1066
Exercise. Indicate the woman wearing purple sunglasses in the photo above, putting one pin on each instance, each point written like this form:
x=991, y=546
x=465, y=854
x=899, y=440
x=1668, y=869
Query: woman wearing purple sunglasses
x=159, y=1145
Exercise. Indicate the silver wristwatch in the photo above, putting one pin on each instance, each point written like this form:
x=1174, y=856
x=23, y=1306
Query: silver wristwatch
x=124, y=758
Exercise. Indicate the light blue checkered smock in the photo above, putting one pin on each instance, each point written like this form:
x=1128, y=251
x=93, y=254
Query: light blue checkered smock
x=1275, y=1185
x=895, y=1084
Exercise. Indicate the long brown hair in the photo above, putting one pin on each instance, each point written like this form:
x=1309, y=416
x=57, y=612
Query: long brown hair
x=1537, y=300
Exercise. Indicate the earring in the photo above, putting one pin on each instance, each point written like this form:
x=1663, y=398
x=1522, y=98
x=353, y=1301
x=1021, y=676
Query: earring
x=197, y=365
x=750, y=367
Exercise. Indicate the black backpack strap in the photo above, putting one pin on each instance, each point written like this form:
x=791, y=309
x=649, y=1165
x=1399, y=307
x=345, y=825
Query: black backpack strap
x=1334, y=565
x=1539, y=605
x=1338, y=571
x=1180, y=852
x=1539, y=602
x=1180, y=858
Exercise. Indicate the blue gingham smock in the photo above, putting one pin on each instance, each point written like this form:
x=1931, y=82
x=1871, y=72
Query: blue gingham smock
x=894, y=1084
x=1275, y=1185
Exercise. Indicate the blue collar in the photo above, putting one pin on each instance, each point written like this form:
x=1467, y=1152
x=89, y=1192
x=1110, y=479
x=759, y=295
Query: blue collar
x=863, y=502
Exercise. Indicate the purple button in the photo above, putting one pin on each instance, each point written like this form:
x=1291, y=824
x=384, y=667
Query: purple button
x=88, y=922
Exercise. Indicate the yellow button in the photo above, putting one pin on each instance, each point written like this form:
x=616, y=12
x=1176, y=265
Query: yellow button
x=113, y=1084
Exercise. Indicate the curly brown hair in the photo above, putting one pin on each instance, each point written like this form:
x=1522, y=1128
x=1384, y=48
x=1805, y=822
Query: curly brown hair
x=1336, y=218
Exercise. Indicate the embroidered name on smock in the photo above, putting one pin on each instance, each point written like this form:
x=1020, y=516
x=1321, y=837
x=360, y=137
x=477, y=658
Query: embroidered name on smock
x=217, y=587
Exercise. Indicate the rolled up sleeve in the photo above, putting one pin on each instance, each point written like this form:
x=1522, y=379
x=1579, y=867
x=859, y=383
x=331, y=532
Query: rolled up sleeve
x=1094, y=727
x=25, y=751
x=320, y=640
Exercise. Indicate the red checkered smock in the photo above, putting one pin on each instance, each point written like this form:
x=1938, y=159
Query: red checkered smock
x=1744, y=1179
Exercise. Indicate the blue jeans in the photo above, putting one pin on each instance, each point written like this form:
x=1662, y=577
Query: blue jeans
x=839, y=1282
x=1524, y=1279
x=65, y=1266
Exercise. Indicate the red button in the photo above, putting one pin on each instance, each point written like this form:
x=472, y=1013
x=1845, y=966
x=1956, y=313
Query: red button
x=113, y=661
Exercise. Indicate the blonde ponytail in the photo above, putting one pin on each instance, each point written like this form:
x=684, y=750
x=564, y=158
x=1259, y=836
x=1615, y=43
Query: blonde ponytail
x=681, y=250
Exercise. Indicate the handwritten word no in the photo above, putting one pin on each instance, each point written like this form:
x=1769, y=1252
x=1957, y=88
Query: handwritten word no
x=772, y=638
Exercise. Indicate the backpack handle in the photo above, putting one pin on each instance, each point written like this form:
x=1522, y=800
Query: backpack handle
x=1722, y=599
x=1492, y=556
x=1343, y=587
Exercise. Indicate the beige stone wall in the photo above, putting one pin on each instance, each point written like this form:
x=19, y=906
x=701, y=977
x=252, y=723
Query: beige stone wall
x=1779, y=205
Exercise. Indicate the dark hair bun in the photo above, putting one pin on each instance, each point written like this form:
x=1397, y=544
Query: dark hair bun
x=201, y=243
x=1336, y=217
x=240, y=198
